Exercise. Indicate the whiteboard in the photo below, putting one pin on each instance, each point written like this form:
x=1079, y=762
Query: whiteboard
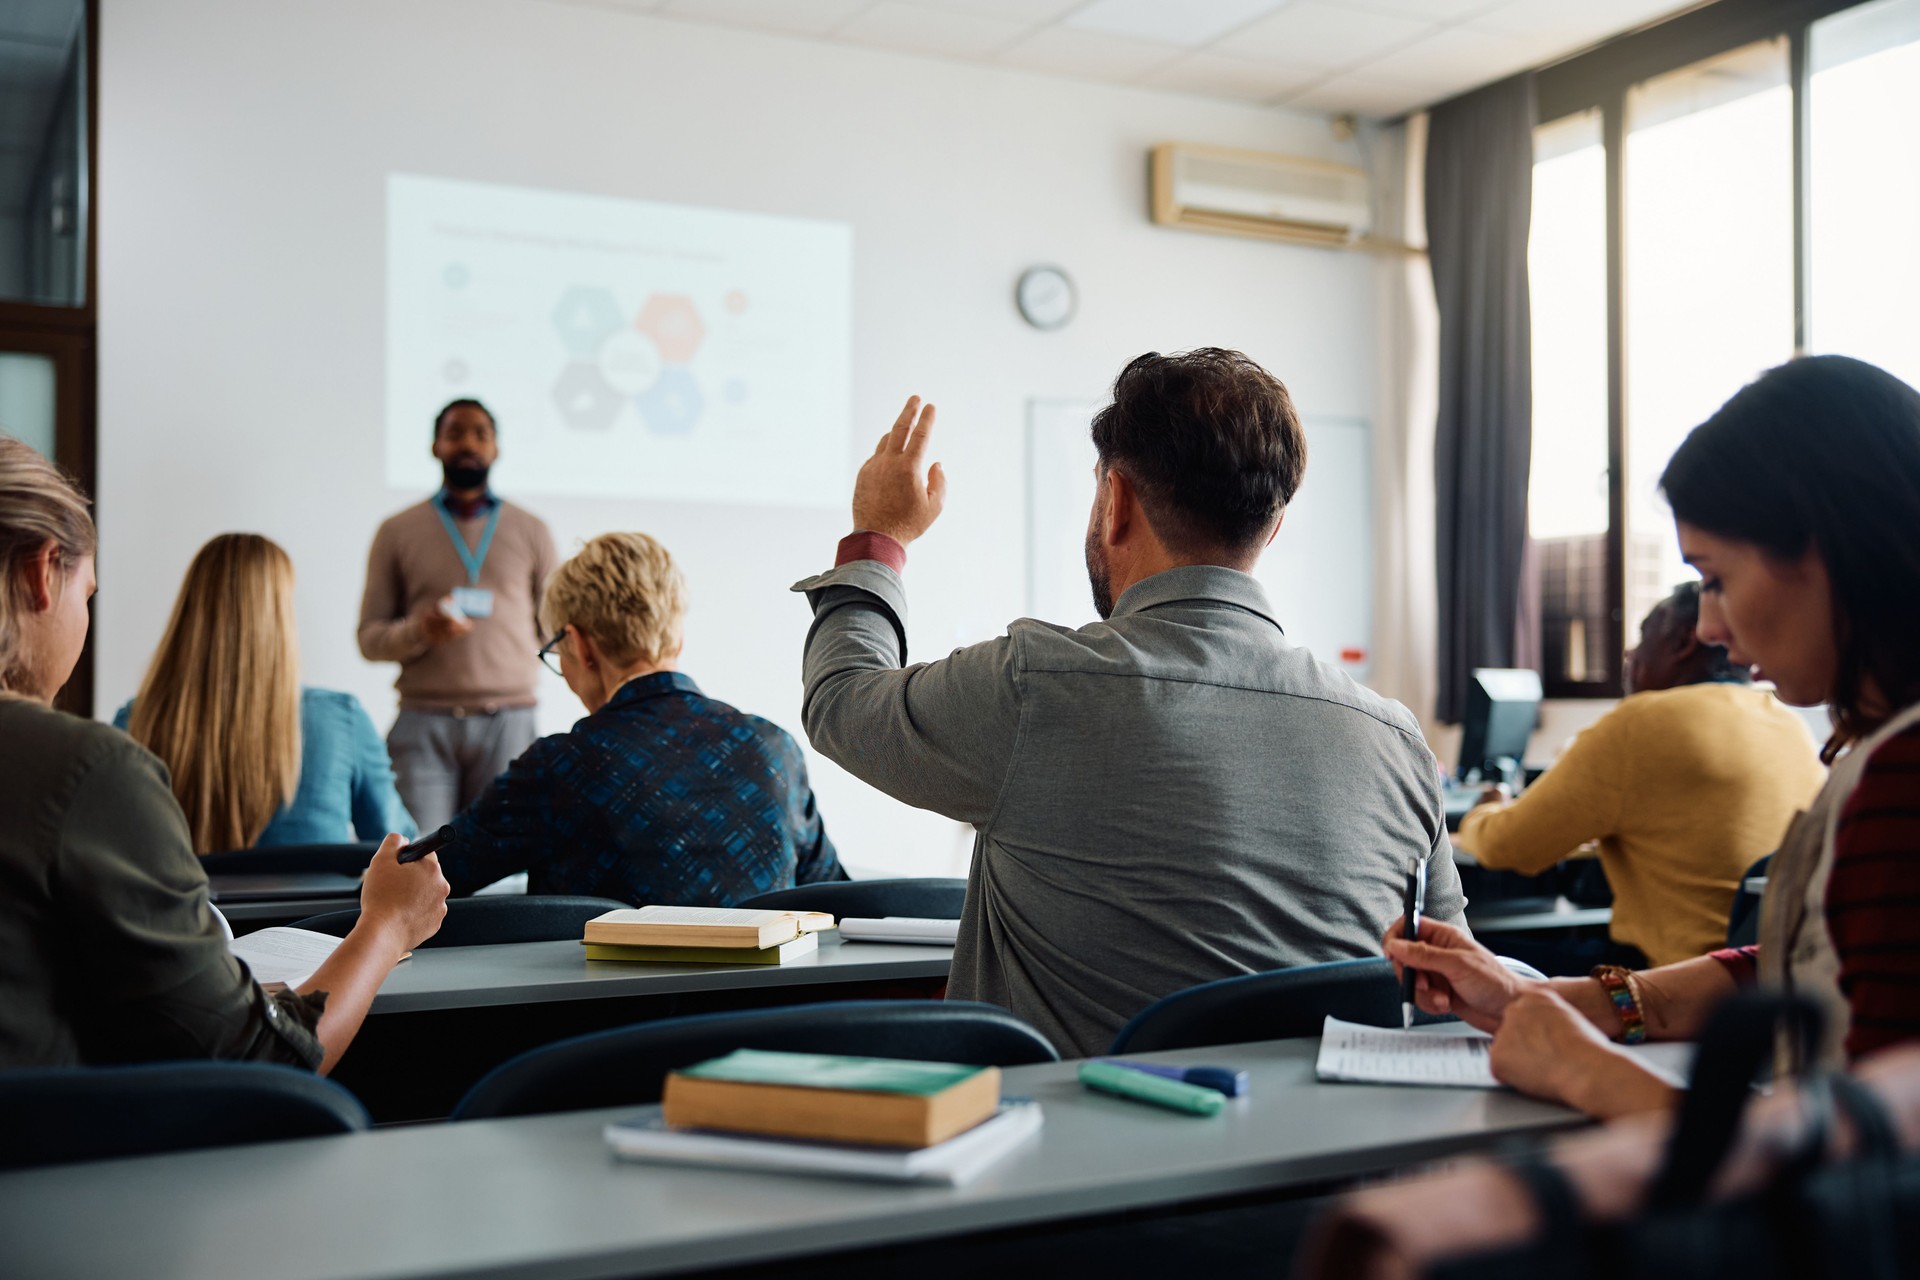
x=1318, y=572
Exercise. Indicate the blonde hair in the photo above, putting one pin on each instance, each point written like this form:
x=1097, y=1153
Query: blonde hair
x=625, y=593
x=221, y=703
x=38, y=504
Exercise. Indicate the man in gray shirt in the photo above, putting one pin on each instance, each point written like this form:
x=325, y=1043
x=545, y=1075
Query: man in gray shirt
x=1173, y=795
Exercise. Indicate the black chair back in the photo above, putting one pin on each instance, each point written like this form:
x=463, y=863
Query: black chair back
x=932, y=898
x=59, y=1115
x=292, y=859
x=479, y=922
x=1282, y=1005
x=1743, y=921
x=628, y=1066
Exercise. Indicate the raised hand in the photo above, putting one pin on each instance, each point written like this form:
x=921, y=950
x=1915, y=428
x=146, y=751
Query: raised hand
x=889, y=495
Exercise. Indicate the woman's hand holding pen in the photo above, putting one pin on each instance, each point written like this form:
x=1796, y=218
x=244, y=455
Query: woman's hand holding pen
x=1453, y=974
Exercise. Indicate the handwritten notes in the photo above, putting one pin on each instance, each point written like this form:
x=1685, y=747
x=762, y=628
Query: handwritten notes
x=1446, y=1057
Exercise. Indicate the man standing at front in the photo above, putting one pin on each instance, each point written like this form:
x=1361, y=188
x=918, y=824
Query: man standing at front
x=452, y=588
x=1173, y=795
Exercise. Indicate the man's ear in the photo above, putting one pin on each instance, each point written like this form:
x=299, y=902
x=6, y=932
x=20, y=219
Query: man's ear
x=1276, y=526
x=1123, y=507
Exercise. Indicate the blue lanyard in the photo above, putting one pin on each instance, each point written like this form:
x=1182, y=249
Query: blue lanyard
x=477, y=557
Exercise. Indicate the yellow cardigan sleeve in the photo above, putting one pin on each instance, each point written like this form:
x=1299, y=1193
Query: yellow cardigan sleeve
x=1577, y=800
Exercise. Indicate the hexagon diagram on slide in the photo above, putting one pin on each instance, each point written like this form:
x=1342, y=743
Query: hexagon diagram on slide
x=672, y=406
x=585, y=316
x=673, y=323
x=584, y=397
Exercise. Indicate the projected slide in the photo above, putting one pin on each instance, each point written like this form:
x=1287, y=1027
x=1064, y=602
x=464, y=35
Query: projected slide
x=628, y=349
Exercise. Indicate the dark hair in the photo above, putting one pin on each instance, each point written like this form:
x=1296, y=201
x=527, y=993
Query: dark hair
x=440, y=418
x=1824, y=453
x=1682, y=610
x=1210, y=440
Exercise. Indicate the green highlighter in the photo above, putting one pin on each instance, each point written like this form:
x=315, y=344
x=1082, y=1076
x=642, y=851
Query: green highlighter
x=1176, y=1095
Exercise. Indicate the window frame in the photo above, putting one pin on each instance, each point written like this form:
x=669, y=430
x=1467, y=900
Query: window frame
x=1599, y=80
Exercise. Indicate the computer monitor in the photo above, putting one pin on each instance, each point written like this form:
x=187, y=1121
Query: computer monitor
x=1503, y=705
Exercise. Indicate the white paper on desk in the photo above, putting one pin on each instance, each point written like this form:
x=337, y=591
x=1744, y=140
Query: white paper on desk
x=900, y=929
x=284, y=954
x=1388, y=1055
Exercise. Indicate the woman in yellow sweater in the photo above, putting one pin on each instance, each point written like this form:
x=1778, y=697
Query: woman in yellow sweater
x=1685, y=784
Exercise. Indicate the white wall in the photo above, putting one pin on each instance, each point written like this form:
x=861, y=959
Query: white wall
x=243, y=151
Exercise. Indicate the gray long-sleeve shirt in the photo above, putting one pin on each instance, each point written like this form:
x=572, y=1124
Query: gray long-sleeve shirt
x=1171, y=796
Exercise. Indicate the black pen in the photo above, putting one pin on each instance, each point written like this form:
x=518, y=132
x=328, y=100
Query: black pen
x=1416, y=903
x=425, y=845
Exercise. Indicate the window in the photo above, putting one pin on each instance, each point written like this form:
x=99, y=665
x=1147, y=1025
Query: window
x=1711, y=196
x=1865, y=186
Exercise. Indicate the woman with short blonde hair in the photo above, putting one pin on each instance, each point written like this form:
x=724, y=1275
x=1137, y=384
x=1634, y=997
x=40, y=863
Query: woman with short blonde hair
x=113, y=952
x=661, y=794
x=254, y=758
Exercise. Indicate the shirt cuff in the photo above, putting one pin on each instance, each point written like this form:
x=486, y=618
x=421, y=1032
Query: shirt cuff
x=1742, y=964
x=865, y=544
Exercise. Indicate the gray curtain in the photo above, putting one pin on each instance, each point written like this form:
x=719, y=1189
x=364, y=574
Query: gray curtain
x=1479, y=205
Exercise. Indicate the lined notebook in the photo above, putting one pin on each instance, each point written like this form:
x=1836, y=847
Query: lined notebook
x=1387, y=1055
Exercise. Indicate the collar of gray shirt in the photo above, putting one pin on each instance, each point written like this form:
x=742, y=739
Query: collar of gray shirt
x=1210, y=582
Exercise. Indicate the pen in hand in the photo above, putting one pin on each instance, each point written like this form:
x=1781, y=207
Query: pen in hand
x=1415, y=904
x=425, y=845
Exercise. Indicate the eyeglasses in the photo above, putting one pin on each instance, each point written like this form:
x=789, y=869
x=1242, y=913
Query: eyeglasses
x=547, y=654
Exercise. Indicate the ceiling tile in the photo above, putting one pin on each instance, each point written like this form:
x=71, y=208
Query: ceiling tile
x=1574, y=24
x=945, y=33
x=1189, y=23
x=794, y=17
x=1215, y=77
x=1093, y=55
x=1321, y=34
x=1453, y=59
x=1031, y=12
x=1426, y=10
x=1357, y=95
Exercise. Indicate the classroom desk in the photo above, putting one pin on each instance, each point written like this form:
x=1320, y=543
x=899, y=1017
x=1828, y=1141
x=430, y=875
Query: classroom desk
x=451, y=1014
x=1527, y=915
x=251, y=902
x=540, y=1198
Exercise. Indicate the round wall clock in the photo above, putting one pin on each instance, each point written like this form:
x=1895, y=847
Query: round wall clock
x=1046, y=297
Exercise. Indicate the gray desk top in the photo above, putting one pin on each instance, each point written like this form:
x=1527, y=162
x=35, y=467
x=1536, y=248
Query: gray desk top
x=1562, y=915
x=534, y=972
x=540, y=1198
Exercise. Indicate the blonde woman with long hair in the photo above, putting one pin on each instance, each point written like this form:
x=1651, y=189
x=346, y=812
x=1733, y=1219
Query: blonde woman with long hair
x=255, y=758
x=113, y=953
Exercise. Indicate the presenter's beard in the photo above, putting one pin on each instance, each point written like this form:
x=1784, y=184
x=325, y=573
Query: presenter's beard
x=460, y=479
x=1099, y=576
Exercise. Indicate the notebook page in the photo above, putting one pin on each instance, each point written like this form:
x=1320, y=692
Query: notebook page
x=1388, y=1055
x=284, y=954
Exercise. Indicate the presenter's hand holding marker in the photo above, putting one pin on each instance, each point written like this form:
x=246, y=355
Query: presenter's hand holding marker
x=1453, y=973
x=441, y=621
x=406, y=899
x=889, y=495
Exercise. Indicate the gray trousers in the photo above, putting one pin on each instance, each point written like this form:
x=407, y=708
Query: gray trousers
x=443, y=762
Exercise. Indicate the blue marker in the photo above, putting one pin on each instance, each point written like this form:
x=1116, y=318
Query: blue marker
x=1219, y=1079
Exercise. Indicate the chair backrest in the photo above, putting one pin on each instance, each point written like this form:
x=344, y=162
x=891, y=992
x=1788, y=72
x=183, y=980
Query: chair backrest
x=58, y=1115
x=628, y=1066
x=292, y=859
x=479, y=922
x=1281, y=1005
x=933, y=898
x=1743, y=921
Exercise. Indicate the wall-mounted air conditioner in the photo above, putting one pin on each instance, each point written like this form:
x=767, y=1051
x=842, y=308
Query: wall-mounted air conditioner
x=1256, y=193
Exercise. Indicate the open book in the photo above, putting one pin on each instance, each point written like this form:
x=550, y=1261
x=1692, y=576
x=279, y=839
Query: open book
x=284, y=954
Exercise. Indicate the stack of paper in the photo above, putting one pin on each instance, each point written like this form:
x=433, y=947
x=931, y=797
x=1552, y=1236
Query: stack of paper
x=950, y=1163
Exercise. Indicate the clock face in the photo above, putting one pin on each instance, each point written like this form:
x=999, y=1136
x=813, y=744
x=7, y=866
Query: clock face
x=1046, y=297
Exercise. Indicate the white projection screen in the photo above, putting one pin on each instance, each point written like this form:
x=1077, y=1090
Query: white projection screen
x=629, y=349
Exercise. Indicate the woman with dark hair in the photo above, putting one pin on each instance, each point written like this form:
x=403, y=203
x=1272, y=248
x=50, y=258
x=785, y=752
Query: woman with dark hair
x=1799, y=503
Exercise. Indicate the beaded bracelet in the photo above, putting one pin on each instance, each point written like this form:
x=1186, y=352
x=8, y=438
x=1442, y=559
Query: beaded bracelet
x=1617, y=982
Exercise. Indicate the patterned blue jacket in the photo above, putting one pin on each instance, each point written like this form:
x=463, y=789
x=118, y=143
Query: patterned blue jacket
x=662, y=795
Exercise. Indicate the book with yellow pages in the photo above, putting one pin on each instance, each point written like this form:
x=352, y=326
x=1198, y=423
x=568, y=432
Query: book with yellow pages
x=662, y=926
x=792, y=949
x=884, y=1102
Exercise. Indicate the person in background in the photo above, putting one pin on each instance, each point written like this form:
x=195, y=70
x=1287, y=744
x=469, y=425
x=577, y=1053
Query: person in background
x=1797, y=501
x=254, y=757
x=109, y=949
x=661, y=794
x=1685, y=784
x=452, y=585
x=1174, y=794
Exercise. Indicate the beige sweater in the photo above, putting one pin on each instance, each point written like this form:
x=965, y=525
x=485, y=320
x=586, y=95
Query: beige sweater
x=413, y=564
